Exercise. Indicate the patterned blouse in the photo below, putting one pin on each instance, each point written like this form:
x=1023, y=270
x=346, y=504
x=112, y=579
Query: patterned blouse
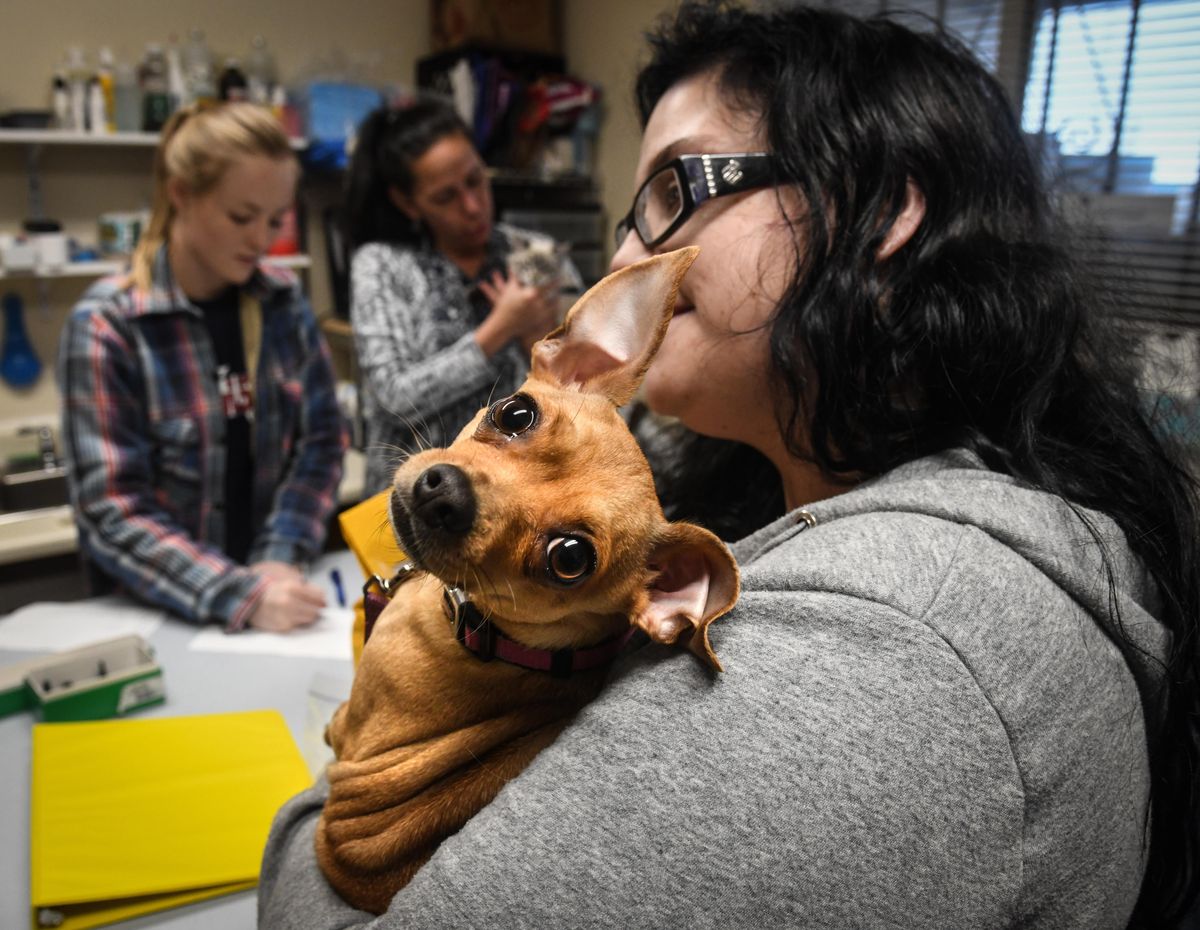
x=414, y=312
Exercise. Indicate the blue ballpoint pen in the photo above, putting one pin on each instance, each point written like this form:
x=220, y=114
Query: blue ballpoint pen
x=336, y=577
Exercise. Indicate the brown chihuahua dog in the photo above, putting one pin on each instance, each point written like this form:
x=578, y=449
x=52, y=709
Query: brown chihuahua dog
x=540, y=546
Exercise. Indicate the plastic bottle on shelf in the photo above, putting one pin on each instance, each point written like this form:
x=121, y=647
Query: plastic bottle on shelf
x=279, y=102
x=233, y=84
x=97, y=116
x=61, y=100
x=198, y=69
x=156, y=106
x=260, y=71
x=77, y=81
x=287, y=113
x=177, y=90
x=106, y=77
x=128, y=98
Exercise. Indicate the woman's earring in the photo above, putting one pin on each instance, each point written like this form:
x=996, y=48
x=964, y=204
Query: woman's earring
x=420, y=231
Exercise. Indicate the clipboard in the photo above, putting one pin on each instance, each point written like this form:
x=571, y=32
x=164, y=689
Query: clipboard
x=128, y=817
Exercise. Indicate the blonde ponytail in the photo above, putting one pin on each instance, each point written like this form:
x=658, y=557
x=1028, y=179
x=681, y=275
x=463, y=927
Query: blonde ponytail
x=197, y=146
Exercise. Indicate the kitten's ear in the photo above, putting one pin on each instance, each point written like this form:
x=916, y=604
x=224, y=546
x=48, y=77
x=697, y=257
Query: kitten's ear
x=611, y=334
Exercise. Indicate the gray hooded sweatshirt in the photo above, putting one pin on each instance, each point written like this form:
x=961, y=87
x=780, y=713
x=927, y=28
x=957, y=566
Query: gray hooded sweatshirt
x=924, y=722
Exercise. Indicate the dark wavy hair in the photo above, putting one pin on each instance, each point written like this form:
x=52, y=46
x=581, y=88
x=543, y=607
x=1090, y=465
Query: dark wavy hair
x=980, y=333
x=388, y=142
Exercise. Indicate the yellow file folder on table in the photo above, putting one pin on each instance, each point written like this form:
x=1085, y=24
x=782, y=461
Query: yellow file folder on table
x=133, y=816
x=368, y=533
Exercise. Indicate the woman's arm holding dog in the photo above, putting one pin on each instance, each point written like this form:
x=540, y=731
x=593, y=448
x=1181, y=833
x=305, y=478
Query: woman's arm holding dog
x=773, y=797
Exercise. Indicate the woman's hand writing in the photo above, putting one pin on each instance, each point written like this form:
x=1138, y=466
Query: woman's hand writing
x=289, y=601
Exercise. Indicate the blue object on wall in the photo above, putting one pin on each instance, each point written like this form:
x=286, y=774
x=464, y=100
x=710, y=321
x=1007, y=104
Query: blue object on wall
x=19, y=366
x=334, y=110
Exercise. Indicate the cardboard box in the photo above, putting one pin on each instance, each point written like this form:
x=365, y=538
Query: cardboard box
x=522, y=25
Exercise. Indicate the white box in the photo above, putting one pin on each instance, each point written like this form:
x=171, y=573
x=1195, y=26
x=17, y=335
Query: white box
x=17, y=253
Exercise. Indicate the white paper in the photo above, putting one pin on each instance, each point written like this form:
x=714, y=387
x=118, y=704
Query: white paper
x=328, y=638
x=48, y=626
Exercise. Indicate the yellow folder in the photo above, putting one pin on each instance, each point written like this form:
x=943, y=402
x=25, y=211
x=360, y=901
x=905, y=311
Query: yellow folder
x=368, y=533
x=133, y=816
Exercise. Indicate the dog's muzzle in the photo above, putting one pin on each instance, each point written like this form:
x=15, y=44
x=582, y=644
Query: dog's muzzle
x=443, y=501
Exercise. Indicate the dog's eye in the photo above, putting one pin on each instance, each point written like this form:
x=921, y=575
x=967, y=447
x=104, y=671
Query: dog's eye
x=514, y=414
x=570, y=559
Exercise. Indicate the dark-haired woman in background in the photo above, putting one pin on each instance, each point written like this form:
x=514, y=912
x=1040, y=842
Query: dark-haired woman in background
x=439, y=322
x=961, y=679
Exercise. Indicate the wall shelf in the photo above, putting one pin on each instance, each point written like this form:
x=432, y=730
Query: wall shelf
x=39, y=534
x=65, y=137
x=98, y=269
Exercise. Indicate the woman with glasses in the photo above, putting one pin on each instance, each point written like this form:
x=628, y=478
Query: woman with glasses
x=960, y=684
x=440, y=321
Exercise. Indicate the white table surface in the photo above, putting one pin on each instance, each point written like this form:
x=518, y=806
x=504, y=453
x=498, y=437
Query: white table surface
x=196, y=683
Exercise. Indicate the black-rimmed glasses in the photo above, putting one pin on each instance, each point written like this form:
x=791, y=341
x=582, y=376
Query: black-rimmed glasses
x=669, y=196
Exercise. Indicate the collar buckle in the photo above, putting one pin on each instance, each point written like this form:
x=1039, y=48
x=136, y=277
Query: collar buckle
x=378, y=591
x=471, y=628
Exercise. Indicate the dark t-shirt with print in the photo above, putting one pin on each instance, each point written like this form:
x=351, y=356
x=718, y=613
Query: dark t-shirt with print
x=223, y=319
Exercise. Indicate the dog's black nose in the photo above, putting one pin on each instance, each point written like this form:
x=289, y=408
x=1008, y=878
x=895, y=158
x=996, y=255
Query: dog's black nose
x=443, y=500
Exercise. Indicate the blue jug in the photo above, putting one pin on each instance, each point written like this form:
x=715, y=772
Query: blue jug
x=19, y=365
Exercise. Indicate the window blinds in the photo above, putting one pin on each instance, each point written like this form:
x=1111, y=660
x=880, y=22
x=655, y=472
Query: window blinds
x=1113, y=105
x=1109, y=94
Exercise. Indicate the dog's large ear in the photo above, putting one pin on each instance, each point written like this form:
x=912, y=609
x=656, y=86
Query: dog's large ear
x=695, y=581
x=609, y=337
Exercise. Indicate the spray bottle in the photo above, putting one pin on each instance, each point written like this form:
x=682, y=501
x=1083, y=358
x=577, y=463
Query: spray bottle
x=198, y=70
x=77, y=81
x=106, y=76
x=260, y=71
x=177, y=89
x=97, y=118
x=61, y=100
x=156, y=106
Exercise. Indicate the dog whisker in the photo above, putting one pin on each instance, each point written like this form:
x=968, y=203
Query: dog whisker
x=578, y=410
x=492, y=391
x=487, y=588
x=419, y=433
x=411, y=424
x=480, y=587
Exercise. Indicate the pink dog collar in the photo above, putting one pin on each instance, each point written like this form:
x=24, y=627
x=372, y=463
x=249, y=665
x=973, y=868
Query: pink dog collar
x=479, y=636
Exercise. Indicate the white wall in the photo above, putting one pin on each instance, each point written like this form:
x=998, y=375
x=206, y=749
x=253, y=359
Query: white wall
x=604, y=44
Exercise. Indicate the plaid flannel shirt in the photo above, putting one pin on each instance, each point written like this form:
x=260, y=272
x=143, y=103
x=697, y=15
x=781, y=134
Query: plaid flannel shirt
x=143, y=432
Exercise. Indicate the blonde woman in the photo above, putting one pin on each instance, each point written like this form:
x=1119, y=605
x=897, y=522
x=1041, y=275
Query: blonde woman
x=203, y=439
